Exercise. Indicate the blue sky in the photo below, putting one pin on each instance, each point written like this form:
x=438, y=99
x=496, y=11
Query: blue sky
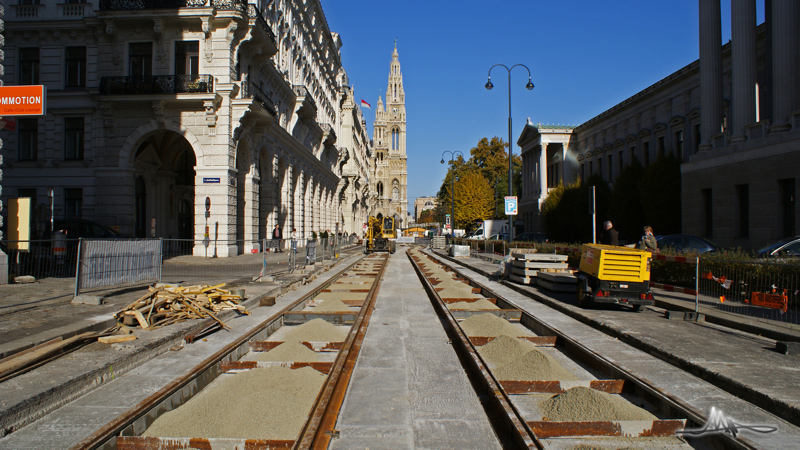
x=585, y=56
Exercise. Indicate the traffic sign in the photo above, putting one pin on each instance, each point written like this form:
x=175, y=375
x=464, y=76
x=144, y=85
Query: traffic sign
x=511, y=206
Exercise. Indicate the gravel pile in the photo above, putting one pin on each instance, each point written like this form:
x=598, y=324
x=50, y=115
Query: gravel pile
x=271, y=403
x=535, y=365
x=288, y=351
x=332, y=305
x=316, y=330
x=504, y=349
x=491, y=325
x=473, y=306
x=582, y=404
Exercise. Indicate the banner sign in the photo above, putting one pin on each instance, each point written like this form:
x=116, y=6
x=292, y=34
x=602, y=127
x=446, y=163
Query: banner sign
x=22, y=100
x=775, y=301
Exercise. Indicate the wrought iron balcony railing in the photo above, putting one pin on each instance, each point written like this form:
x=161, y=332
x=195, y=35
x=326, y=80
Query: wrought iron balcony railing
x=250, y=90
x=125, y=5
x=161, y=84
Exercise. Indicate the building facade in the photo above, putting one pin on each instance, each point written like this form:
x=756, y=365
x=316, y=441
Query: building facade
x=158, y=109
x=422, y=204
x=732, y=117
x=389, y=141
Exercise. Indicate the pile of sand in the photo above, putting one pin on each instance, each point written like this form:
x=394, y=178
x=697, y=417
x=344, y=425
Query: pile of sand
x=582, y=404
x=473, y=306
x=316, y=330
x=535, y=365
x=271, y=403
x=491, y=325
x=332, y=305
x=288, y=351
x=504, y=349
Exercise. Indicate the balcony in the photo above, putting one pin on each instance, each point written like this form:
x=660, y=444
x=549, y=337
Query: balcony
x=250, y=90
x=154, y=85
x=128, y=5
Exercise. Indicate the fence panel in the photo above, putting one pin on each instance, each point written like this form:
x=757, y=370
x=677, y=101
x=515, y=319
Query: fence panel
x=43, y=259
x=111, y=262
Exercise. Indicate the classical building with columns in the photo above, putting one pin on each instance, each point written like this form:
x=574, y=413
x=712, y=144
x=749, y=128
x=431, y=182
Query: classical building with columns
x=389, y=141
x=733, y=117
x=154, y=107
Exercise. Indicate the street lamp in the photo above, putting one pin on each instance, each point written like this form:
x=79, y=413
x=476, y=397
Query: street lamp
x=452, y=193
x=489, y=87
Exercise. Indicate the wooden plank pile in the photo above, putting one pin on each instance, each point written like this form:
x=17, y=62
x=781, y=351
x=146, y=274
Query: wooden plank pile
x=166, y=305
x=527, y=267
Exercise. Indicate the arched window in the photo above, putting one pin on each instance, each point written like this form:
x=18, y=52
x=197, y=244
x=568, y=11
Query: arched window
x=395, y=139
x=380, y=189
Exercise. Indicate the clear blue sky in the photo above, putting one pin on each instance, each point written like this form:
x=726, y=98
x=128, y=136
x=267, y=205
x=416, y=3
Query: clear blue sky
x=585, y=56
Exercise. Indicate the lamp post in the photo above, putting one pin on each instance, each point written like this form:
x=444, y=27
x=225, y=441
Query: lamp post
x=452, y=192
x=489, y=87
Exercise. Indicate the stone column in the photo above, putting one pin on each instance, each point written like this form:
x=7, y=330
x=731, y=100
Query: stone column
x=743, y=33
x=251, y=217
x=298, y=198
x=710, y=72
x=542, y=171
x=288, y=193
x=785, y=54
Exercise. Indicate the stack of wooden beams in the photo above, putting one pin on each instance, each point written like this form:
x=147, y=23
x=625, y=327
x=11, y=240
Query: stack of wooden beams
x=166, y=305
x=529, y=268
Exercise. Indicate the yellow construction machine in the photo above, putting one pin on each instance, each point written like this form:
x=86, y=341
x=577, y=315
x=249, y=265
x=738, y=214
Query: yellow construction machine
x=380, y=235
x=610, y=274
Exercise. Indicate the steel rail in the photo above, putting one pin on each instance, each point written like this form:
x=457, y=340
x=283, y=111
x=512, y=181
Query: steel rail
x=320, y=429
x=101, y=437
x=642, y=387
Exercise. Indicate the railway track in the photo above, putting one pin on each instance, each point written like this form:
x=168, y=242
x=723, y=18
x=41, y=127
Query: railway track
x=544, y=388
x=282, y=384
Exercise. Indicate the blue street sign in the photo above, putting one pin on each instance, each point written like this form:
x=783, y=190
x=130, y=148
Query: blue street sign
x=511, y=206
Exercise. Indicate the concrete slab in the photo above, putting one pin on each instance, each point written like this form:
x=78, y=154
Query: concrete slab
x=424, y=400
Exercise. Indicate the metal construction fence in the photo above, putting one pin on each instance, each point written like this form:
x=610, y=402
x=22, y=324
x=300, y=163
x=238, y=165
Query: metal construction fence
x=756, y=288
x=41, y=258
x=114, y=262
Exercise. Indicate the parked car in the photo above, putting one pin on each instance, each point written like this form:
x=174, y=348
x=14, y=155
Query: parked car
x=686, y=243
x=498, y=237
x=76, y=228
x=531, y=236
x=784, y=247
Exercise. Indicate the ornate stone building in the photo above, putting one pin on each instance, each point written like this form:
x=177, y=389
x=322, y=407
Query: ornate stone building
x=389, y=141
x=733, y=117
x=155, y=106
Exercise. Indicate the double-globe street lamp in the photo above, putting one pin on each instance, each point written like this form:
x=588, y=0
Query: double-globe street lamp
x=528, y=86
x=452, y=192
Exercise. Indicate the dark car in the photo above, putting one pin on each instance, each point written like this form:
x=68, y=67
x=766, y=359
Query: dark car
x=531, y=236
x=76, y=228
x=686, y=243
x=784, y=247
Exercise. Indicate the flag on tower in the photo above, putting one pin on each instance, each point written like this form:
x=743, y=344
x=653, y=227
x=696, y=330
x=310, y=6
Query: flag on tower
x=364, y=104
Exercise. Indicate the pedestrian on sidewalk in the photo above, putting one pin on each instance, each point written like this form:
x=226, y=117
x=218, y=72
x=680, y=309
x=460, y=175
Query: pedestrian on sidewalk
x=277, y=236
x=610, y=235
x=293, y=237
x=648, y=241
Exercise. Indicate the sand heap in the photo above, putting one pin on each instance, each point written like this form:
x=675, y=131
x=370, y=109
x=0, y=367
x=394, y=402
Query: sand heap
x=535, y=365
x=288, y=351
x=473, y=306
x=316, y=330
x=491, y=325
x=582, y=404
x=504, y=349
x=271, y=403
x=332, y=305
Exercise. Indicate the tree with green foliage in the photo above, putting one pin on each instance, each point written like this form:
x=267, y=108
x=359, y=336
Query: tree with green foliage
x=660, y=190
x=625, y=208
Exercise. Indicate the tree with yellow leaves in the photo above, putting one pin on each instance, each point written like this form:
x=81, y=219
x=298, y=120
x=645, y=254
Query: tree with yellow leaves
x=474, y=199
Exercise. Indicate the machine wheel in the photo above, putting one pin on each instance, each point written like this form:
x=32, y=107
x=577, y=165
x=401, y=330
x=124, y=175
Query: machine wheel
x=392, y=247
x=584, y=298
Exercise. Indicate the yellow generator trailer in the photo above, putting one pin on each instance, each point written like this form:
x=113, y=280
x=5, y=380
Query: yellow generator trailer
x=379, y=234
x=611, y=274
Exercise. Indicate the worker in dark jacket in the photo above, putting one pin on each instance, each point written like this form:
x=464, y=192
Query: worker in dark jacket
x=277, y=236
x=610, y=235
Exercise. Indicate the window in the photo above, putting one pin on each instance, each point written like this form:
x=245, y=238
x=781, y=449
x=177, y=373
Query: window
x=28, y=139
x=187, y=58
x=140, y=62
x=73, y=203
x=590, y=168
x=697, y=138
x=743, y=203
x=600, y=166
x=610, y=169
x=75, y=67
x=621, y=162
x=633, y=154
x=661, y=150
x=395, y=139
x=708, y=213
x=28, y=66
x=679, y=144
x=583, y=171
x=73, y=138
x=646, y=153
x=787, y=192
